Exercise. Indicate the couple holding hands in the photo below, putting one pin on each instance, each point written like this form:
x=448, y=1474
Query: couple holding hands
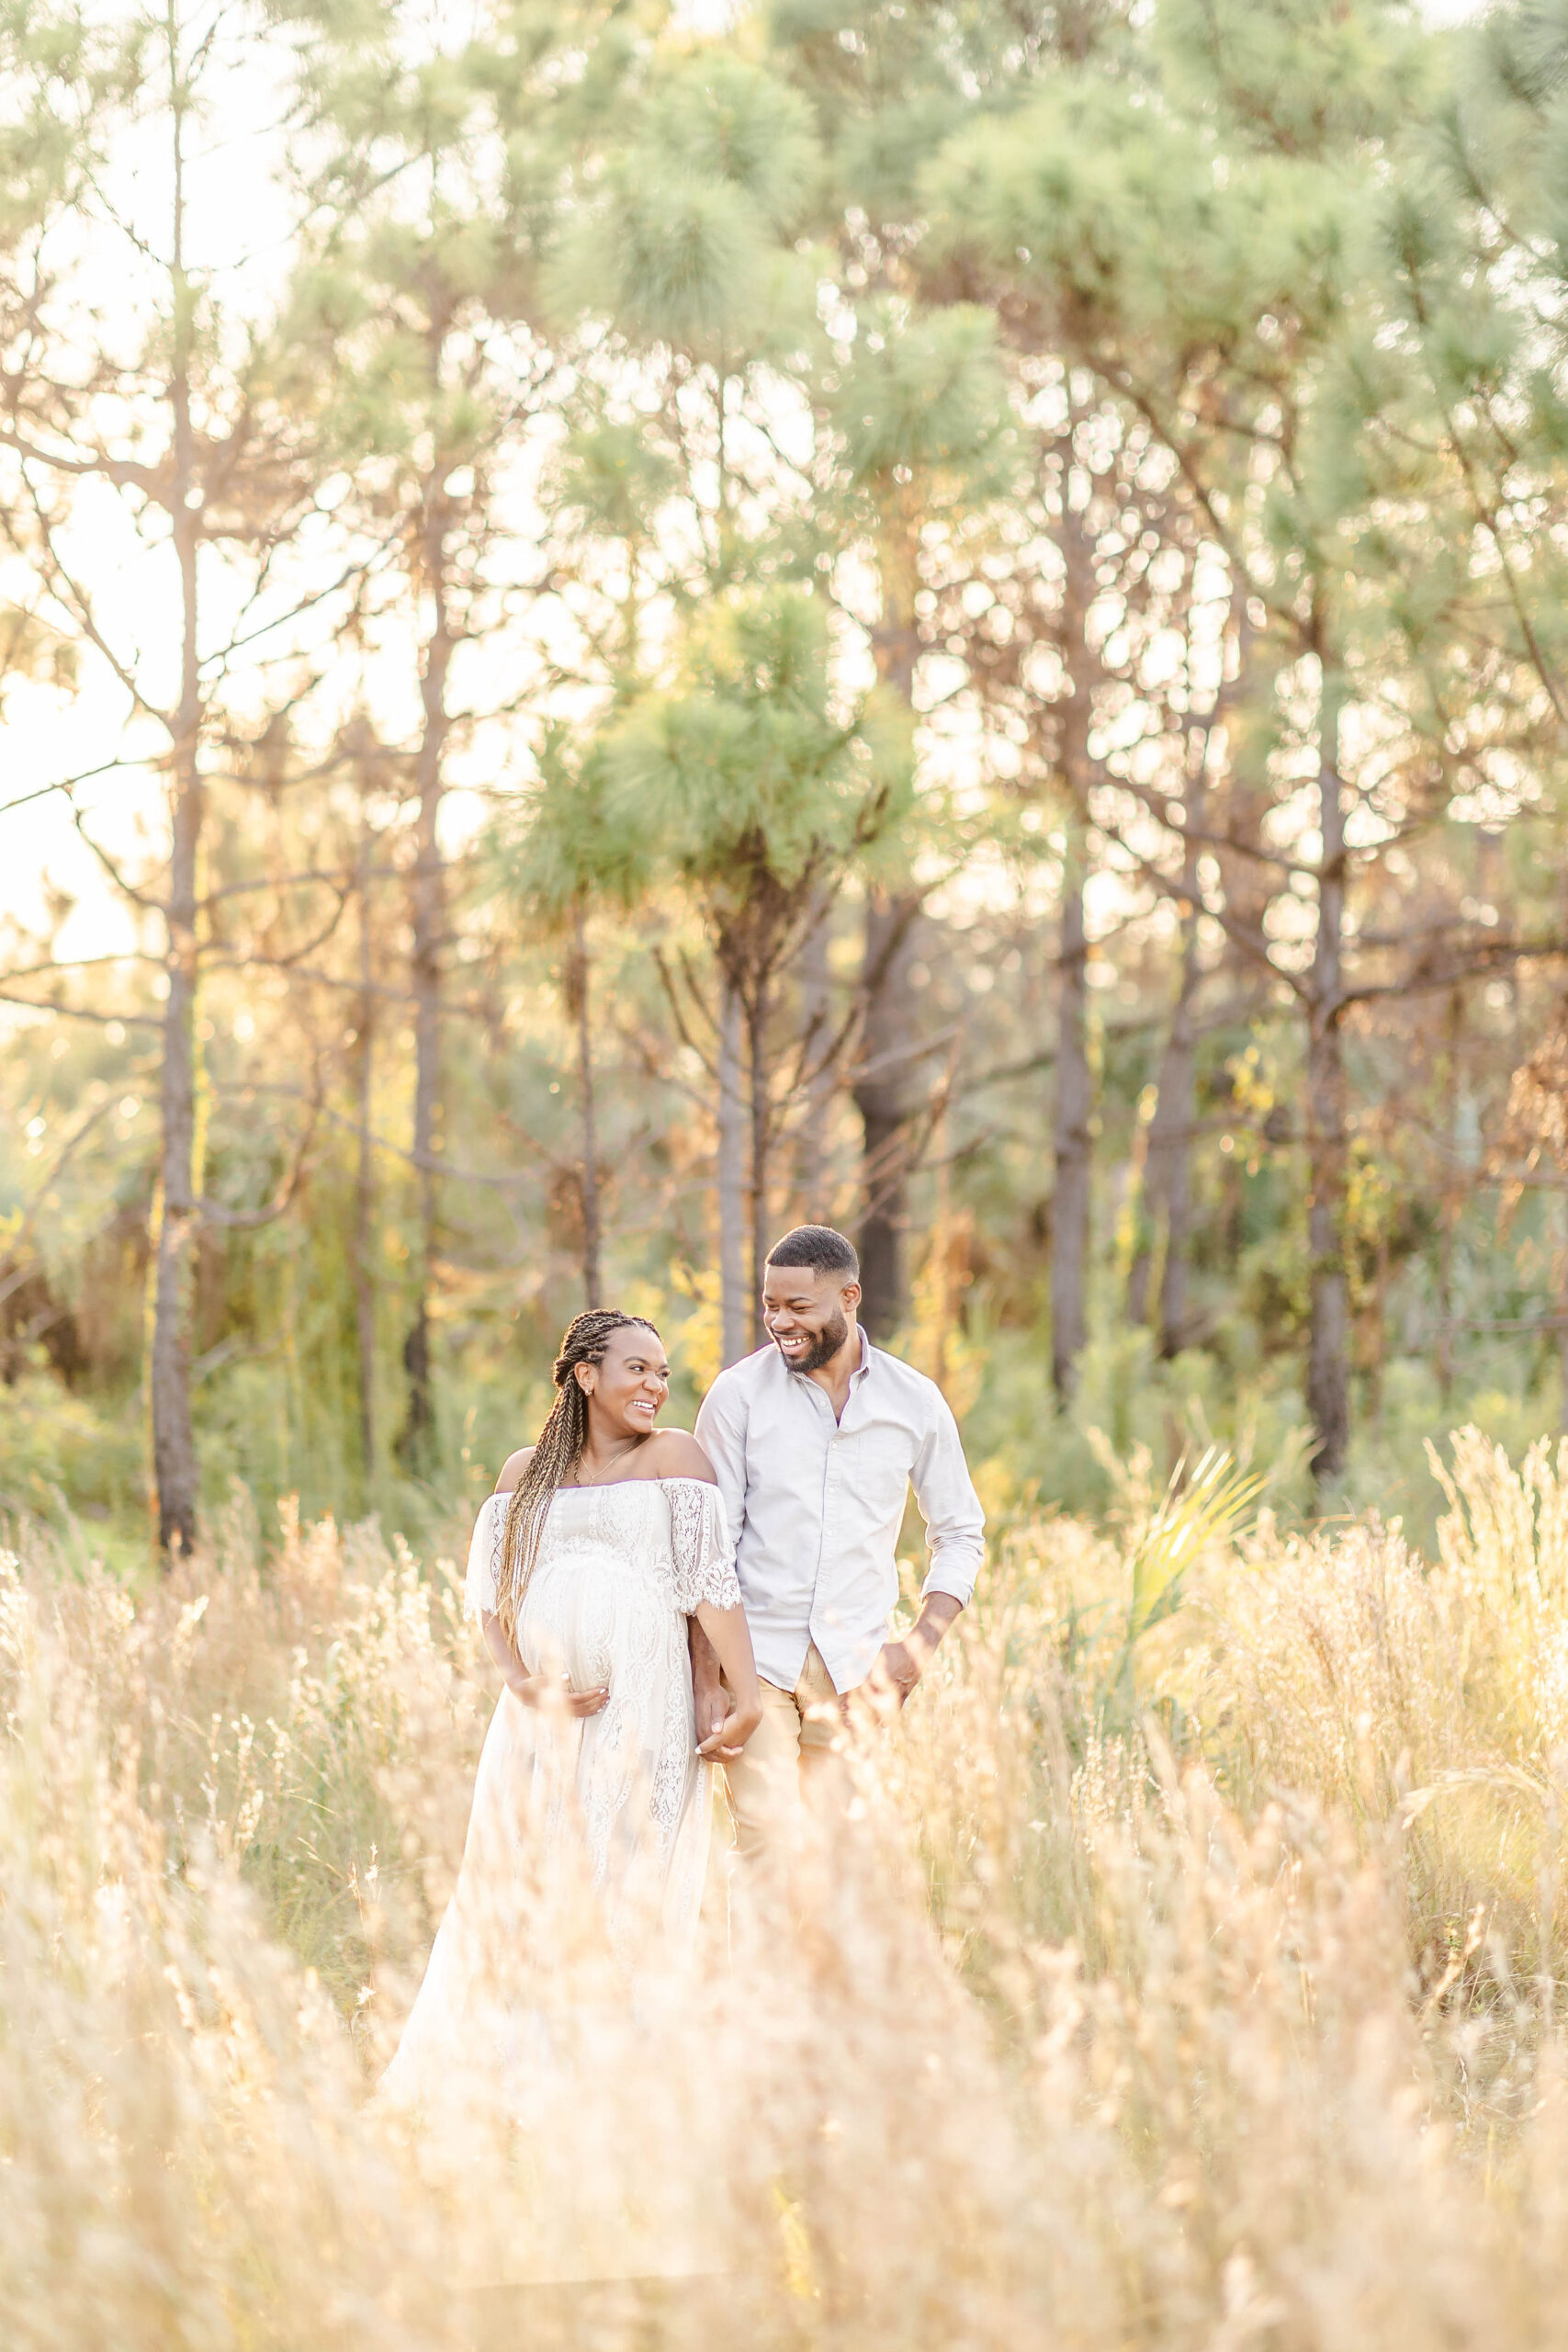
x=661, y=1603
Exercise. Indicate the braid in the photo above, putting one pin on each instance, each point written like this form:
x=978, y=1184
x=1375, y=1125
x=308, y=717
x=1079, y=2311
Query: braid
x=555, y=1457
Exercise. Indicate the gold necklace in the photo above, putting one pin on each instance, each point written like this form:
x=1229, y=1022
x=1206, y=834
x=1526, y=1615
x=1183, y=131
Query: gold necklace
x=631, y=1446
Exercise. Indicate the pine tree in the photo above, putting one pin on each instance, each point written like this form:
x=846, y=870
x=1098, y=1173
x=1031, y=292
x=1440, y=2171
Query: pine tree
x=887, y=89
x=572, y=856
x=760, y=800
x=687, y=257
x=197, y=419
x=1216, y=305
x=916, y=444
x=442, y=190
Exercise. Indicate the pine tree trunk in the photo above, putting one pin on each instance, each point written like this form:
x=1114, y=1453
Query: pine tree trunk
x=1329, y=1360
x=427, y=914
x=884, y=1091
x=1072, y=1142
x=1453, y=1031
x=1445, y=1365
x=174, y=1440
x=1170, y=1133
x=882, y=1096
x=816, y=999
x=1142, y=1268
x=1070, y=1197
x=426, y=903
x=365, y=1179
x=1174, y=1126
x=1177, y=1187
x=762, y=1234
x=579, y=981
x=733, y=1304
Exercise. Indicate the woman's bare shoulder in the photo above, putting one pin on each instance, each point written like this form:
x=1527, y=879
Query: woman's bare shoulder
x=512, y=1469
x=676, y=1453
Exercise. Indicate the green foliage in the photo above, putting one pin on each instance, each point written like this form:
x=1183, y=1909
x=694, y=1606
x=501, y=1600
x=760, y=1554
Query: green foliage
x=924, y=396
x=1203, y=1510
x=64, y=1456
x=612, y=481
x=573, y=844
x=749, y=397
x=746, y=778
x=686, y=244
x=738, y=126
x=1293, y=78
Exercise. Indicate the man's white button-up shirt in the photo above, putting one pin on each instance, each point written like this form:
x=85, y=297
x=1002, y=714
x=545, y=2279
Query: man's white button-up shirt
x=816, y=1505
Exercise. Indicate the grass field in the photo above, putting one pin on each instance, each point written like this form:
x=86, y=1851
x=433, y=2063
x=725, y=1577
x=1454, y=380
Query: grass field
x=1196, y=1981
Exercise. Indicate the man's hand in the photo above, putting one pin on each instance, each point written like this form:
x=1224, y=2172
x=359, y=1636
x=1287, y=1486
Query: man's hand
x=893, y=1676
x=899, y=1665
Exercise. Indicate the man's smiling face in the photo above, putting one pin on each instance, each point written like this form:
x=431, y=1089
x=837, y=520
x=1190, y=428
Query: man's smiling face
x=807, y=1314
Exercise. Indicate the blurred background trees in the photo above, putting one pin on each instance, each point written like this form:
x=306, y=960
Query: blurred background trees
x=615, y=636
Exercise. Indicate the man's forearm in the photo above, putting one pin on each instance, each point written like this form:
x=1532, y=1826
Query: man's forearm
x=938, y=1610
x=902, y=1661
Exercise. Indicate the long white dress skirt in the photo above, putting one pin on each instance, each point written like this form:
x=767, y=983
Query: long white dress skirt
x=587, y=1848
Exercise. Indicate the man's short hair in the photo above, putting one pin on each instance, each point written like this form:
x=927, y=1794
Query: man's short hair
x=821, y=1248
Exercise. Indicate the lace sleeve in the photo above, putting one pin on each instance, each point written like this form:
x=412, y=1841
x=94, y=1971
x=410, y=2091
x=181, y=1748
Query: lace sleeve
x=700, y=1540
x=482, y=1581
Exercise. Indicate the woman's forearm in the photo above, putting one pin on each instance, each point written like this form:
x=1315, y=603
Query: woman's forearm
x=728, y=1631
x=704, y=1657
x=514, y=1672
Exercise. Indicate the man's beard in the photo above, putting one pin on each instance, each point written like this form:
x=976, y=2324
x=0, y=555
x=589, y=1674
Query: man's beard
x=823, y=1348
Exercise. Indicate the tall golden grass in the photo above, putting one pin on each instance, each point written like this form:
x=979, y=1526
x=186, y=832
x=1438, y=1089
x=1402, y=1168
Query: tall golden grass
x=1191, y=1979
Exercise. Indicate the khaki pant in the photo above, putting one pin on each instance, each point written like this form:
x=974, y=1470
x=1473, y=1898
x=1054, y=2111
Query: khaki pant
x=792, y=1761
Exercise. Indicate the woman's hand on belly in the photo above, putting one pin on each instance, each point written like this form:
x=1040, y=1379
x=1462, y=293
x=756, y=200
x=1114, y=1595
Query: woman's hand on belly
x=541, y=1686
x=555, y=1691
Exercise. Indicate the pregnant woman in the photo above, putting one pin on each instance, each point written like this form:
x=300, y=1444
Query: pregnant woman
x=590, y=1812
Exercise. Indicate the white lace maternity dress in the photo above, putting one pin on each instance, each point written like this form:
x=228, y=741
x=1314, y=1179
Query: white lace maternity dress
x=582, y=1832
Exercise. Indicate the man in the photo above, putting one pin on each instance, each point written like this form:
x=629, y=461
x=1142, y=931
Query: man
x=815, y=1441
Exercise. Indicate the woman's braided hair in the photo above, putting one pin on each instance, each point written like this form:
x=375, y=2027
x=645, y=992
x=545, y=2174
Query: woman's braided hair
x=555, y=1457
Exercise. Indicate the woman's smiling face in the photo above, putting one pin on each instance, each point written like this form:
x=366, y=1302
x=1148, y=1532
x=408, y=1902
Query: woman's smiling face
x=627, y=1391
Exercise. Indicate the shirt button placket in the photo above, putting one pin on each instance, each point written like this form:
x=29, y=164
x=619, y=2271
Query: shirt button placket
x=820, y=1406
x=829, y=1490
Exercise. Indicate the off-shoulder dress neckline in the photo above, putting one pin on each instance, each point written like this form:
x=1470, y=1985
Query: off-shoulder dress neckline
x=608, y=1486
x=612, y=1486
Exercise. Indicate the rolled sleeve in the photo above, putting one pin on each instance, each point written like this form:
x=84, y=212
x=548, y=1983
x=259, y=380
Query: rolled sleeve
x=721, y=1433
x=955, y=1524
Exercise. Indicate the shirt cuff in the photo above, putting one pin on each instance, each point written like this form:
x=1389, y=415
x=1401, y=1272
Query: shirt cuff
x=953, y=1576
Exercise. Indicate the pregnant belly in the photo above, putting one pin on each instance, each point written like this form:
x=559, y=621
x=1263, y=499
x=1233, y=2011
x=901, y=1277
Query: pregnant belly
x=593, y=1621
